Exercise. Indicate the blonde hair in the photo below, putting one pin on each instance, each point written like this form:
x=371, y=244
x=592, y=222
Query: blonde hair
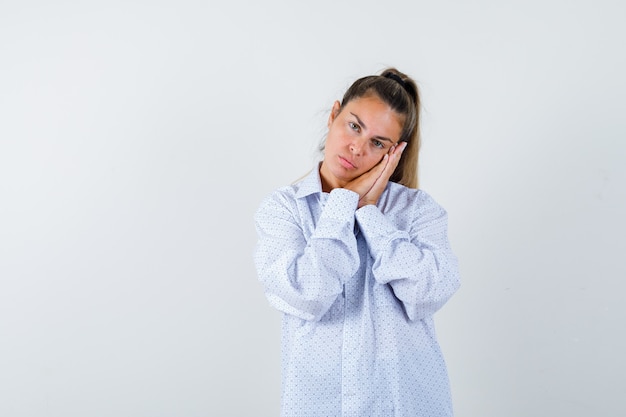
x=400, y=92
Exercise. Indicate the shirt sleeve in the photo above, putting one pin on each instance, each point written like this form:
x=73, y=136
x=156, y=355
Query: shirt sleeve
x=303, y=276
x=417, y=263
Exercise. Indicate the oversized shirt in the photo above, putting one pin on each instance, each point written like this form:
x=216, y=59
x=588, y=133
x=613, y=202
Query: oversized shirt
x=358, y=289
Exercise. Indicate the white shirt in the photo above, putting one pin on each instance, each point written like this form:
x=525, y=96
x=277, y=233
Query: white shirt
x=358, y=289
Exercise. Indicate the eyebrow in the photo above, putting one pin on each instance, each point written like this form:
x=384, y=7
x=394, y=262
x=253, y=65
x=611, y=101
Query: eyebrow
x=365, y=127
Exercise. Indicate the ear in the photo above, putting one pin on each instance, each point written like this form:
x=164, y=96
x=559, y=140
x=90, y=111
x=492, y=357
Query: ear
x=334, y=112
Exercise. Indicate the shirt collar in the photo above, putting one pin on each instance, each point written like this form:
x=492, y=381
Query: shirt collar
x=310, y=184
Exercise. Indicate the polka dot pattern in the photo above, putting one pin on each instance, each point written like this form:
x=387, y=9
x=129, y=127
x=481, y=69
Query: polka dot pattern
x=358, y=289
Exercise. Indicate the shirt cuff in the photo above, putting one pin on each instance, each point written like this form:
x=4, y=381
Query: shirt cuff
x=337, y=218
x=377, y=229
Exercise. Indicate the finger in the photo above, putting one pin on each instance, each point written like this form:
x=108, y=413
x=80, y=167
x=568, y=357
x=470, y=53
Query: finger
x=397, y=152
x=363, y=183
x=399, y=148
x=393, y=160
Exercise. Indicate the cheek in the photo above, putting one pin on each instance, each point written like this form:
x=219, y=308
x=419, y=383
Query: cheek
x=372, y=161
x=333, y=141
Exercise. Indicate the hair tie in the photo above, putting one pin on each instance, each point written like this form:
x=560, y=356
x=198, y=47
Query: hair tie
x=395, y=77
x=400, y=81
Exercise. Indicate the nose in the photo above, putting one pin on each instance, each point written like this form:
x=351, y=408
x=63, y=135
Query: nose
x=356, y=147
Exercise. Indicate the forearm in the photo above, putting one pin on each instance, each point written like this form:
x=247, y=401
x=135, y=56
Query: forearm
x=417, y=263
x=303, y=275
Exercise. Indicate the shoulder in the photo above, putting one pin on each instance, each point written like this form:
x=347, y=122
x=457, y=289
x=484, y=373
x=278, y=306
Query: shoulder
x=283, y=196
x=281, y=200
x=301, y=188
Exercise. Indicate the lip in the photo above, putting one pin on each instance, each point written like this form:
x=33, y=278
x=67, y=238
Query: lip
x=346, y=163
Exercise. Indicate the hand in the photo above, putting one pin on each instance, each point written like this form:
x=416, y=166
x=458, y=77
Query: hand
x=371, y=184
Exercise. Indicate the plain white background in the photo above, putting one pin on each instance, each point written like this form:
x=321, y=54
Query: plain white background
x=137, y=139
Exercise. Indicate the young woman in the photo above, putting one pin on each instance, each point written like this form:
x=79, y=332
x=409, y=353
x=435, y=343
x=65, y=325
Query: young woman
x=358, y=261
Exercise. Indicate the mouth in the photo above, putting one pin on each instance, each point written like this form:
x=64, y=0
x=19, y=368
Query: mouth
x=346, y=163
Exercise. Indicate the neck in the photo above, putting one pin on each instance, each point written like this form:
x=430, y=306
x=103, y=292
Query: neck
x=327, y=180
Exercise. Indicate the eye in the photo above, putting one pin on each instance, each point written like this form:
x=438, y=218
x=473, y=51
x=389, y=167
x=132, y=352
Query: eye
x=354, y=126
x=378, y=144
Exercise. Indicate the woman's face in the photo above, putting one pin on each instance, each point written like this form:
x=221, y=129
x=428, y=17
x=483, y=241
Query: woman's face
x=358, y=137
